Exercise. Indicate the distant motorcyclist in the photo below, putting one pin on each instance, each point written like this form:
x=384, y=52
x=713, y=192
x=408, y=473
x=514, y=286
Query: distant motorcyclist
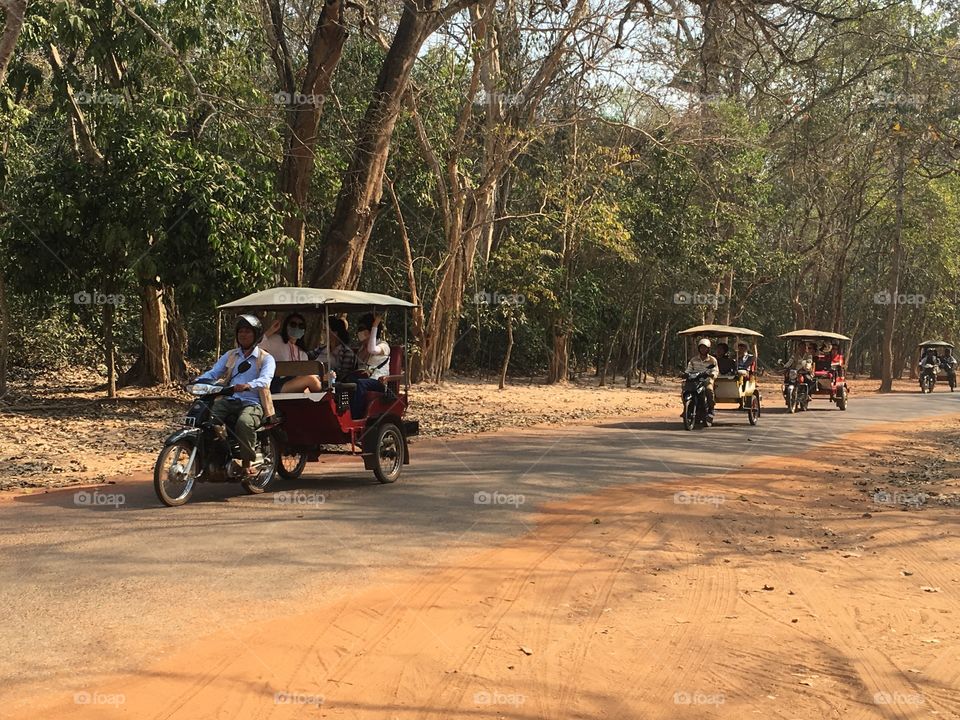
x=704, y=362
x=802, y=361
x=929, y=361
x=949, y=365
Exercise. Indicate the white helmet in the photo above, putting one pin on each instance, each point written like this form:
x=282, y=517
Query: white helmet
x=704, y=341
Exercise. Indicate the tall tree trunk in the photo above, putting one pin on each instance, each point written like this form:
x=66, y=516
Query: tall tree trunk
x=414, y=363
x=13, y=12
x=893, y=279
x=559, y=354
x=304, y=109
x=358, y=202
x=176, y=336
x=162, y=357
x=108, y=312
x=506, y=355
x=4, y=335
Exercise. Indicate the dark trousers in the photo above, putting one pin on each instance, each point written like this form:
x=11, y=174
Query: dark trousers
x=358, y=401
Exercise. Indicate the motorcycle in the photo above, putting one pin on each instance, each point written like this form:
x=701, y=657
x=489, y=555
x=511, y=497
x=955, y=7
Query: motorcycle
x=204, y=450
x=694, y=396
x=928, y=378
x=796, y=391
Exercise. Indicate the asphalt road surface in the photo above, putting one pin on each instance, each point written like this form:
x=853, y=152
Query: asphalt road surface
x=105, y=580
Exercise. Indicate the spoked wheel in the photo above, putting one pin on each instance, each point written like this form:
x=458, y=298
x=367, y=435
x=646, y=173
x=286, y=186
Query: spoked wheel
x=270, y=449
x=689, y=414
x=842, y=400
x=291, y=465
x=388, y=451
x=753, y=414
x=173, y=481
x=792, y=400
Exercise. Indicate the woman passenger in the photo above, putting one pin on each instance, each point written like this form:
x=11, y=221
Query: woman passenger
x=285, y=342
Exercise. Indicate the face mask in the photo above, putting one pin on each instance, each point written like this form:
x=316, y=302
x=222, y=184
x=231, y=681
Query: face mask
x=296, y=333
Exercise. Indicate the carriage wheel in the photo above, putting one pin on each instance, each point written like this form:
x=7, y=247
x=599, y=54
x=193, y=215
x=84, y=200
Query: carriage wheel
x=291, y=465
x=754, y=413
x=388, y=452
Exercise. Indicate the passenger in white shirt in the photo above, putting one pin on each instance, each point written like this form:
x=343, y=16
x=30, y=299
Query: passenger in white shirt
x=284, y=340
x=373, y=362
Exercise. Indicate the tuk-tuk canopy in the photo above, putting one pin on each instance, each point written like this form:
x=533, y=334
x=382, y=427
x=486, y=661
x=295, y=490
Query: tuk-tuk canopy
x=719, y=331
x=807, y=334
x=289, y=299
x=936, y=343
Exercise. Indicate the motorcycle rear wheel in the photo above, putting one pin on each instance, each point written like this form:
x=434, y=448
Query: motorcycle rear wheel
x=271, y=456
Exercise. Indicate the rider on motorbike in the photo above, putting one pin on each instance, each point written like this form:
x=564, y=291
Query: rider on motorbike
x=248, y=368
x=949, y=364
x=929, y=360
x=704, y=362
x=802, y=361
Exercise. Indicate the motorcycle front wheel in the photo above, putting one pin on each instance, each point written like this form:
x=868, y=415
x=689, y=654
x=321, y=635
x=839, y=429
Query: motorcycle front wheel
x=173, y=481
x=689, y=413
x=792, y=400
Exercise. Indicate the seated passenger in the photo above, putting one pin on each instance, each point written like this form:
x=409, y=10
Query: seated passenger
x=285, y=342
x=373, y=361
x=725, y=364
x=744, y=358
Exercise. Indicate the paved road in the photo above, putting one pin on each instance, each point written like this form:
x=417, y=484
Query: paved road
x=90, y=588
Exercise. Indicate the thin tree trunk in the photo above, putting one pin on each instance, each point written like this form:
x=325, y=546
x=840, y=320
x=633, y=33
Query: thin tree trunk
x=506, y=356
x=108, y=311
x=415, y=363
x=893, y=280
x=4, y=336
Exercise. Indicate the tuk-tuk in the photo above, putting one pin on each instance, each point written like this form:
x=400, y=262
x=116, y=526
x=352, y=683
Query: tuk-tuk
x=302, y=426
x=827, y=374
x=945, y=366
x=735, y=388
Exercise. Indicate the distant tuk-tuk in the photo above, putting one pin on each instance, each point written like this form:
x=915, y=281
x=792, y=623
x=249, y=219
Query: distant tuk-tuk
x=944, y=367
x=827, y=375
x=735, y=388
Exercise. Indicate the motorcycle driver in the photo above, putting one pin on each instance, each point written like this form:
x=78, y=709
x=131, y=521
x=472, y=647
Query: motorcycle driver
x=949, y=364
x=929, y=360
x=704, y=362
x=248, y=368
x=802, y=361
